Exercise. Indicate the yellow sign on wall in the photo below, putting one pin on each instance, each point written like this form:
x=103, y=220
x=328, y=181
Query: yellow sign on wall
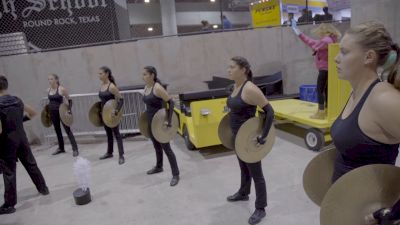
x=311, y=3
x=266, y=13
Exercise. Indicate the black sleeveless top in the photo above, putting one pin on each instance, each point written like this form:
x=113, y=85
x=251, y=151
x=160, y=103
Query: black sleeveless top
x=153, y=103
x=55, y=100
x=105, y=95
x=355, y=148
x=240, y=111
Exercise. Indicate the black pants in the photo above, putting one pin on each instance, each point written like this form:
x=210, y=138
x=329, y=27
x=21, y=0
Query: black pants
x=110, y=140
x=55, y=118
x=18, y=148
x=159, y=147
x=253, y=170
x=322, y=89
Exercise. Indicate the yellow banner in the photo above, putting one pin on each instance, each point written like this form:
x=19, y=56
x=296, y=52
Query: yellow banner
x=311, y=3
x=266, y=13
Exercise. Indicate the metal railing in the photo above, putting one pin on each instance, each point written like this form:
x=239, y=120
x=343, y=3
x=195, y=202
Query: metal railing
x=133, y=107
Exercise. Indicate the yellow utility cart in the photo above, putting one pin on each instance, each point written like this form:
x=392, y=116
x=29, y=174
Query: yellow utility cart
x=298, y=112
x=200, y=112
x=198, y=122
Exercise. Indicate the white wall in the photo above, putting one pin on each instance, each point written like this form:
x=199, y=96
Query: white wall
x=385, y=11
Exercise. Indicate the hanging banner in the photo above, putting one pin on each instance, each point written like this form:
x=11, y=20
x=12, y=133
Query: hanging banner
x=292, y=9
x=311, y=3
x=266, y=13
x=58, y=23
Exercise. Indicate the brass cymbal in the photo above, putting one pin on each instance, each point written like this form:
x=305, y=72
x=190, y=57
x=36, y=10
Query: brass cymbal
x=161, y=132
x=66, y=117
x=144, y=124
x=95, y=115
x=109, y=119
x=359, y=193
x=246, y=146
x=225, y=132
x=317, y=177
x=45, y=117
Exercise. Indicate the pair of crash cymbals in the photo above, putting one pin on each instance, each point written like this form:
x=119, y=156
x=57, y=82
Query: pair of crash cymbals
x=109, y=118
x=99, y=116
x=95, y=115
x=245, y=143
x=353, y=196
x=359, y=193
x=144, y=127
x=161, y=132
x=225, y=132
x=45, y=116
x=317, y=177
x=65, y=116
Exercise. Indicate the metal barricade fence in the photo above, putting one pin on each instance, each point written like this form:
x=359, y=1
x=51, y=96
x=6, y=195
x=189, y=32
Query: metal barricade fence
x=132, y=108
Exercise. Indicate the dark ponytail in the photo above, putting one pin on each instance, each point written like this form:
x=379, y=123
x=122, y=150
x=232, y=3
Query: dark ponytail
x=243, y=63
x=3, y=83
x=250, y=75
x=109, y=73
x=152, y=70
x=394, y=70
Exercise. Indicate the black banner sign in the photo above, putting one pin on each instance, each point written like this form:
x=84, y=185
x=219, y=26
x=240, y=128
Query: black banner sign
x=59, y=23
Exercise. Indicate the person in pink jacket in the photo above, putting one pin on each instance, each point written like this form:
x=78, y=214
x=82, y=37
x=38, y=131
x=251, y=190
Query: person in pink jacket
x=327, y=34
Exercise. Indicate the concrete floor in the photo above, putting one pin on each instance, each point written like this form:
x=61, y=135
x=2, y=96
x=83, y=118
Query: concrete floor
x=126, y=195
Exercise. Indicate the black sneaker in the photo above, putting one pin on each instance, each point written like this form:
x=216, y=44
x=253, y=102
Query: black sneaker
x=75, y=153
x=237, y=197
x=45, y=191
x=257, y=216
x=155, y=170
x=7, y=209
x=106, y=156
x=121, y=160
x=174, y=180
x=58, y=151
